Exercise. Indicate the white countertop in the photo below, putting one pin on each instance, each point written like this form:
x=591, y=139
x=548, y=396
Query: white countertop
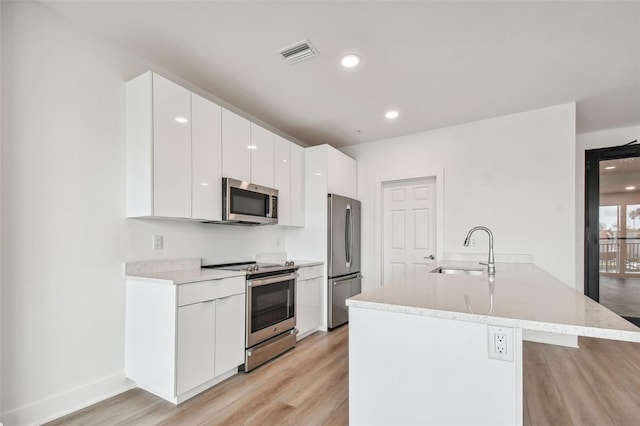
x=304, y=263
x=192, y=274
x=184, y=276
x=524, y=296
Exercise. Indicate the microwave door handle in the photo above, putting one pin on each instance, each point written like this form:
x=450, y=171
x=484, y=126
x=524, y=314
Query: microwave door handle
x=347, y=235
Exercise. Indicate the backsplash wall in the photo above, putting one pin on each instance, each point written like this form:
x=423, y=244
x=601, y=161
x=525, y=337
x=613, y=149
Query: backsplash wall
x=214, y=243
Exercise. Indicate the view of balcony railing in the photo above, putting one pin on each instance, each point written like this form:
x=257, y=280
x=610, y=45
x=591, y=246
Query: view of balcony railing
x=620, y=255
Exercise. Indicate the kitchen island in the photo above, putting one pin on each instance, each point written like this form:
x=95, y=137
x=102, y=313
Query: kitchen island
x=447, y=349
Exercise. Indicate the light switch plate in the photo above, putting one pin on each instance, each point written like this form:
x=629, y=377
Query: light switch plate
x=157, y=242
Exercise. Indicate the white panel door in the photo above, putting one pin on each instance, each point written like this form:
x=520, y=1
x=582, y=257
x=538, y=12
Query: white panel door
x=171, y=149
x=206, y=149
x=196, y=344
x=282, y=164
x=236, y=139
x=261, y=156
x=297, y=185
x=409, y=216
x=230, y=328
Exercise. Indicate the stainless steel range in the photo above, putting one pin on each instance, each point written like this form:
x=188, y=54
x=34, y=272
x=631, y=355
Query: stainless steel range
x=270, y=307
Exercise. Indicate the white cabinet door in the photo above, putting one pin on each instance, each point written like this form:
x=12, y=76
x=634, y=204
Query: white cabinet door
x=171, y=149
x=297, y=186
x=230, y=329
x=308, y=300
x=261, y=156
x=196, y=345
x=282, y=164
x=236, y=139
x=341, y=174
x=315, y=301
x=302, y=313
x=206, y=147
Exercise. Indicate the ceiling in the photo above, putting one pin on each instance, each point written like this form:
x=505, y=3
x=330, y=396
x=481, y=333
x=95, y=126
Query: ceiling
x=618, y=175
x=437, y=63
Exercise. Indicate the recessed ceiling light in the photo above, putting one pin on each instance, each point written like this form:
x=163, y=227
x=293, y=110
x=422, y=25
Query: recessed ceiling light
x=350, y=61
x=252, y=146
x=391, y=115
x=181, y=120
x=630, y=188
x=610, y=167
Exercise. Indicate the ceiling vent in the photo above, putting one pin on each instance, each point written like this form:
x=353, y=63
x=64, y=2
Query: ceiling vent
x=298, y=52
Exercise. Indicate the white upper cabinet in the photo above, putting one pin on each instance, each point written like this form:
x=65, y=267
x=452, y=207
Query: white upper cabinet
x=289, y=180
x=180, y=146
x=261, y=148
x=236, y=140
x=158, y=148
x=330, y=171
x=297, y=185
x=342, y=174
x=206, y=162
x=282, y=165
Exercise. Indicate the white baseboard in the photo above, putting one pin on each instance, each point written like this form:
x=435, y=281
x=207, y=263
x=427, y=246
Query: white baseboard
x=67, y=402
x=567, y=340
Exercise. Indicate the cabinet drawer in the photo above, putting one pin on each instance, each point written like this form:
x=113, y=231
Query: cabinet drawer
x=308, y=272
x=208, y=290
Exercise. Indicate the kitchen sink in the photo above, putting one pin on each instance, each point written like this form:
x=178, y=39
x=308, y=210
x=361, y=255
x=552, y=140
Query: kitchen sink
x=458, y=271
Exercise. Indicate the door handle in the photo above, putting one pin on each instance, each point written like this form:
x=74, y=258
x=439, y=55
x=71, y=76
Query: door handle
x=348, y=235
x=429, y=257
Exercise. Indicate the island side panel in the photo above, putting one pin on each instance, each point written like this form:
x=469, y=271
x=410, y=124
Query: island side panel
x=408, y=369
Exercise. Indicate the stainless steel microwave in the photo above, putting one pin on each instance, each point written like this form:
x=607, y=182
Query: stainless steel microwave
x=246, y=203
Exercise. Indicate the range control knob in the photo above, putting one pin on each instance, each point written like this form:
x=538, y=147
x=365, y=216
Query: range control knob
x=289, y=263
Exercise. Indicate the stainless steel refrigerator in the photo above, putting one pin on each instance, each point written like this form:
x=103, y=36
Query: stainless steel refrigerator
x=343, y=256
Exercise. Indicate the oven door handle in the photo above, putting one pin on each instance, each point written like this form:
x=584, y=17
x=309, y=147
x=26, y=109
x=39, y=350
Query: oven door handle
x=271, y=280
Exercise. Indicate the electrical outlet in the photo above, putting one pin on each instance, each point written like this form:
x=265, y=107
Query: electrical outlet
x=157, y=242
x=500, y=343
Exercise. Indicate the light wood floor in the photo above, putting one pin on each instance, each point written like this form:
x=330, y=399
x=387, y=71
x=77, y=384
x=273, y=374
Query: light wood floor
x=598, y=384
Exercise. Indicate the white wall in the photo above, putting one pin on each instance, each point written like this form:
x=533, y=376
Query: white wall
x=585, y=141
x=64, y=232
x=514, y=174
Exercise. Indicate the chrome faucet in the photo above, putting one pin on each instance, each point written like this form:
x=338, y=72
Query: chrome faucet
x=491, y=264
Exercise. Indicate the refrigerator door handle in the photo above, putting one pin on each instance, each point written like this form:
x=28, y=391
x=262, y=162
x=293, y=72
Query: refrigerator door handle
x=348, y=234
x=347, y=279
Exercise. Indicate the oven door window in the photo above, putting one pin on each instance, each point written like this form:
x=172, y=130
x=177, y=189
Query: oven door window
x=249, y=203
x=271, y=304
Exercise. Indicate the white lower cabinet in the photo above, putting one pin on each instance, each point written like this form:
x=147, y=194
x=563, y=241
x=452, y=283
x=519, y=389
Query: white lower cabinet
x=309, y=300
x=183, y=339
x=196, y=344
x=230, y=328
